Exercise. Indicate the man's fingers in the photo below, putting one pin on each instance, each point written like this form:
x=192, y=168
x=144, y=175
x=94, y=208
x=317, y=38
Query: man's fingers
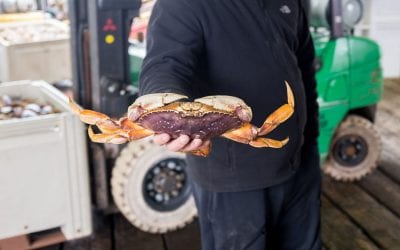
x=182, y=143
x=161, y=139
x=179, y=143
x=193, y=145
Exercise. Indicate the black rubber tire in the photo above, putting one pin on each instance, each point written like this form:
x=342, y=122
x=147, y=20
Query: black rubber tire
x=355, y=125
x=126, y=185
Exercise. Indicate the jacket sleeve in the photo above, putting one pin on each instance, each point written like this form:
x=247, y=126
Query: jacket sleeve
x=305, y=57
x=174, y=43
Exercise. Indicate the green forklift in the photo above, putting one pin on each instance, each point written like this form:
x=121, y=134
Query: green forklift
x=350, y=83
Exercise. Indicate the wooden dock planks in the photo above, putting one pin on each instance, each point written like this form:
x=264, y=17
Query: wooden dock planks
x=384, y=190
x=339, y=233
x=380, y=224
x=189, y=238
x=127, y=237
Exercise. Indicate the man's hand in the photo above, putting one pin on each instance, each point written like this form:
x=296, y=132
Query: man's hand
x=182, y=143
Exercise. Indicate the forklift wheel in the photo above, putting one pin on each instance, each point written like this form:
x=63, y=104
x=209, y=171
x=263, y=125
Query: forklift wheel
x=355, y=150
x=150, y=187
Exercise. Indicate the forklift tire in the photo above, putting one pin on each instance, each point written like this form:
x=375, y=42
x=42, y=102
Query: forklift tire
x=133, y=172
x=355, y=150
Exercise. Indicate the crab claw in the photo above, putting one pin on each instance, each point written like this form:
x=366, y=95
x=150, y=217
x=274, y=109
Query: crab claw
x=86, y=115
x=280, y=115
x=151, y=101
x=228, y=103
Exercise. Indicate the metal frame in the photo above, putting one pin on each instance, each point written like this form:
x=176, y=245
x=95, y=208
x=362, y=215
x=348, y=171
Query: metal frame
x=101, y=75
x=336, y=16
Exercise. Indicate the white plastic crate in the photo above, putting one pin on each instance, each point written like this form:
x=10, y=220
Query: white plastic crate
x=44, y=182
x=43, y=56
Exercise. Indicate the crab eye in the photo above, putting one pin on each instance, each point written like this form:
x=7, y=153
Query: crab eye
x=196, y=105
x=191, y=106
x=186, y=106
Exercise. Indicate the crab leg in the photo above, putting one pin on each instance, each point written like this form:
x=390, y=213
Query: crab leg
x=106, y=138
x=102, y=121
x=108, y=126
x=130, y=125
x=247, y=134
x=134, y=130
x=112, y=131
x=258, y=142
x=125, y=128
x=203, y=151
x=119, y=136
x=244, y=134
x=268, y=143
x=280, y=115
x=87, y=116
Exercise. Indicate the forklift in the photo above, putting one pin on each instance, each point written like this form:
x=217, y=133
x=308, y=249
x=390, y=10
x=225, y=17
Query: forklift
x=350, y=84
x=149, y=184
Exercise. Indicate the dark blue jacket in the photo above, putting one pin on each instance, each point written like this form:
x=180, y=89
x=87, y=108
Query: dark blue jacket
x=243, y=48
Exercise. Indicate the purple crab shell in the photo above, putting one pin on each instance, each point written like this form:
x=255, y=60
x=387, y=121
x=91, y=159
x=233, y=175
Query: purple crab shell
x=203, y=127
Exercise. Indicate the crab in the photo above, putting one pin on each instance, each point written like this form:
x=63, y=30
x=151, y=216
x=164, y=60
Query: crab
x=205, y=118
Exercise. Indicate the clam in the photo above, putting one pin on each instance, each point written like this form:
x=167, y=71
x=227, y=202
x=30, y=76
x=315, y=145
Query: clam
x=6, y=100
x=33, y=107
x=18, y=111
x=18, y=107
x=46, y=109
x=28, y=113
x=5, y=109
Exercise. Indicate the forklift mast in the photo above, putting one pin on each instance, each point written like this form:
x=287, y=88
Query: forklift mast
x=326, y=12
x=336, y=18
x=100, y=60
x=101, y=77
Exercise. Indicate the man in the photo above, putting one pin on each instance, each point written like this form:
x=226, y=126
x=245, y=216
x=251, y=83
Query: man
x=247, y=198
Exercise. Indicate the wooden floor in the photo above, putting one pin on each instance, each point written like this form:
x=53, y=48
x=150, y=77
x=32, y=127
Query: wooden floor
x=362, y=215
